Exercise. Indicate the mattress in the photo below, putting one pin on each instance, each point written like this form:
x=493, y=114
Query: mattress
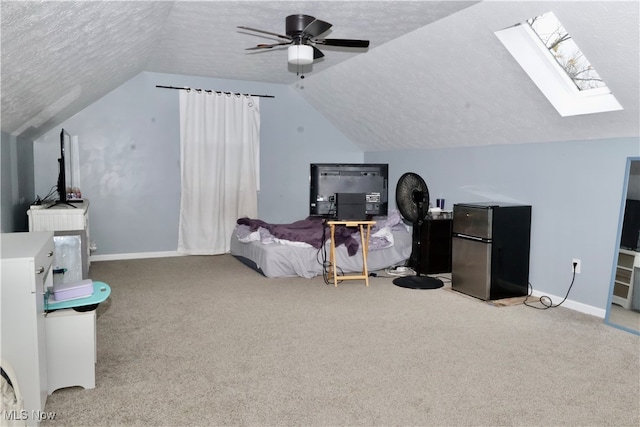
x=283, y=260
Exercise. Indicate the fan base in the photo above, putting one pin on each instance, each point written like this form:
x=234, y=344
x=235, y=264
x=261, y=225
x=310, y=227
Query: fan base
x=418, y=282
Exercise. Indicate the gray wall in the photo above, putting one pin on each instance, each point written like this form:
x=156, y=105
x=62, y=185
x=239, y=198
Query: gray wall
x=575, y=189
x=130, y=158
x=129, y=154
x=17, y=182
x=6, y=184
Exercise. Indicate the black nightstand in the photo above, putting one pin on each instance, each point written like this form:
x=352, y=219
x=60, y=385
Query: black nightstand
x=436, y=245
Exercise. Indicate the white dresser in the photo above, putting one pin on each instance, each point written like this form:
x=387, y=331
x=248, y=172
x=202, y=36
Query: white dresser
x=26, y=273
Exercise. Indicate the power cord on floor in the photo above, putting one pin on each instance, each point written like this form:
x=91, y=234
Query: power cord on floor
x=322, y=254
x=545, y=300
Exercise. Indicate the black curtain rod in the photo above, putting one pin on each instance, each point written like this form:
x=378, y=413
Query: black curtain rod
x=216, y=91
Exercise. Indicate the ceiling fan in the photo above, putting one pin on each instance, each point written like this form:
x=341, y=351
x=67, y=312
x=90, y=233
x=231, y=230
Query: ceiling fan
x=301, y=36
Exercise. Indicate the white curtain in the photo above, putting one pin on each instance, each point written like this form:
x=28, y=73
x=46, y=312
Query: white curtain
x=219, y=146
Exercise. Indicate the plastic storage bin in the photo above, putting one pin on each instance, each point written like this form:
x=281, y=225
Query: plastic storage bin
x=75, y=290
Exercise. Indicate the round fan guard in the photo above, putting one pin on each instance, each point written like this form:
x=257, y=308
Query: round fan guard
x=412, y=197
x=412, y=200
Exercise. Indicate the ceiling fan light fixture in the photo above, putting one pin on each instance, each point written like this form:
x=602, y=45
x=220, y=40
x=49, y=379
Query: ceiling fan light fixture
x=300, y=54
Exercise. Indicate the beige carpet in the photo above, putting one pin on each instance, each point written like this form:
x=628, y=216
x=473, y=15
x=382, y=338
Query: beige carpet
x=207, y=341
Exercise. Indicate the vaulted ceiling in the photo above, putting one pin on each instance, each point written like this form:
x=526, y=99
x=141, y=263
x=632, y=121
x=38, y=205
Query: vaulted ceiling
x=435, y=74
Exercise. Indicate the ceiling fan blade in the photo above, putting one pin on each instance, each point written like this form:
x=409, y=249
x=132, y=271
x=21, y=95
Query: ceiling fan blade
x=264, y=32
x=296, y=24
x=317, y=27
x=343, y=42
x=317, y=54
x=268, y=46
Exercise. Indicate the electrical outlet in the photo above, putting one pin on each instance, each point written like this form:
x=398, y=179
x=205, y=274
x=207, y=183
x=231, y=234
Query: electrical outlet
x=577, y=262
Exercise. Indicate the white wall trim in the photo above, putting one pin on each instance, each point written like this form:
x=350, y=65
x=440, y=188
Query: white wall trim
x=136, y=255
x=573, y=305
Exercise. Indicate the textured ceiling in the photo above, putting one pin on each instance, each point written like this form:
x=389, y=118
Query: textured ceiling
x=452, y=83
x=435, y=74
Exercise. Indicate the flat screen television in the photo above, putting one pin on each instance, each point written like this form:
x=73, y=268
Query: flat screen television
x=62, y=168
x=328, y=179
x=64, y=172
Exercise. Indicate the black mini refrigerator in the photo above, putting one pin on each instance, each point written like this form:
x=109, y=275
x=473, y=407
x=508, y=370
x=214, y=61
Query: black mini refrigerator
x=490, y=249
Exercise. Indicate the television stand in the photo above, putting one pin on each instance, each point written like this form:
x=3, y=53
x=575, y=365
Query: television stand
x=364, y=245
x=58, y=203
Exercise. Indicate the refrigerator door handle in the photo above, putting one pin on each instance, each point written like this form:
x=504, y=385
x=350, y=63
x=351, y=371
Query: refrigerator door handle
x=476, y=238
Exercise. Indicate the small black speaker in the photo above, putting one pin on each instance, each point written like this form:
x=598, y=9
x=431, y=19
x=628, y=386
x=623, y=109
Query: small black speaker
x=351, y=206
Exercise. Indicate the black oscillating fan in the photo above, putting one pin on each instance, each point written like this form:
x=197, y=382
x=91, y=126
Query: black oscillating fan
x=412, y=200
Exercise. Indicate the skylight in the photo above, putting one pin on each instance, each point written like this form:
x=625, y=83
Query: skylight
x=565, y=51
x=552, y=59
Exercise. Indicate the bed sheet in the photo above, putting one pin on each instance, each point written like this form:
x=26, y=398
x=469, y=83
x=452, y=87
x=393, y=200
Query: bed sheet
x=280, y=260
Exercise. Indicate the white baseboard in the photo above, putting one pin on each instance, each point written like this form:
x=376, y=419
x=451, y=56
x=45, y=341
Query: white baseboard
x=573, y=305
x=136, y=255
